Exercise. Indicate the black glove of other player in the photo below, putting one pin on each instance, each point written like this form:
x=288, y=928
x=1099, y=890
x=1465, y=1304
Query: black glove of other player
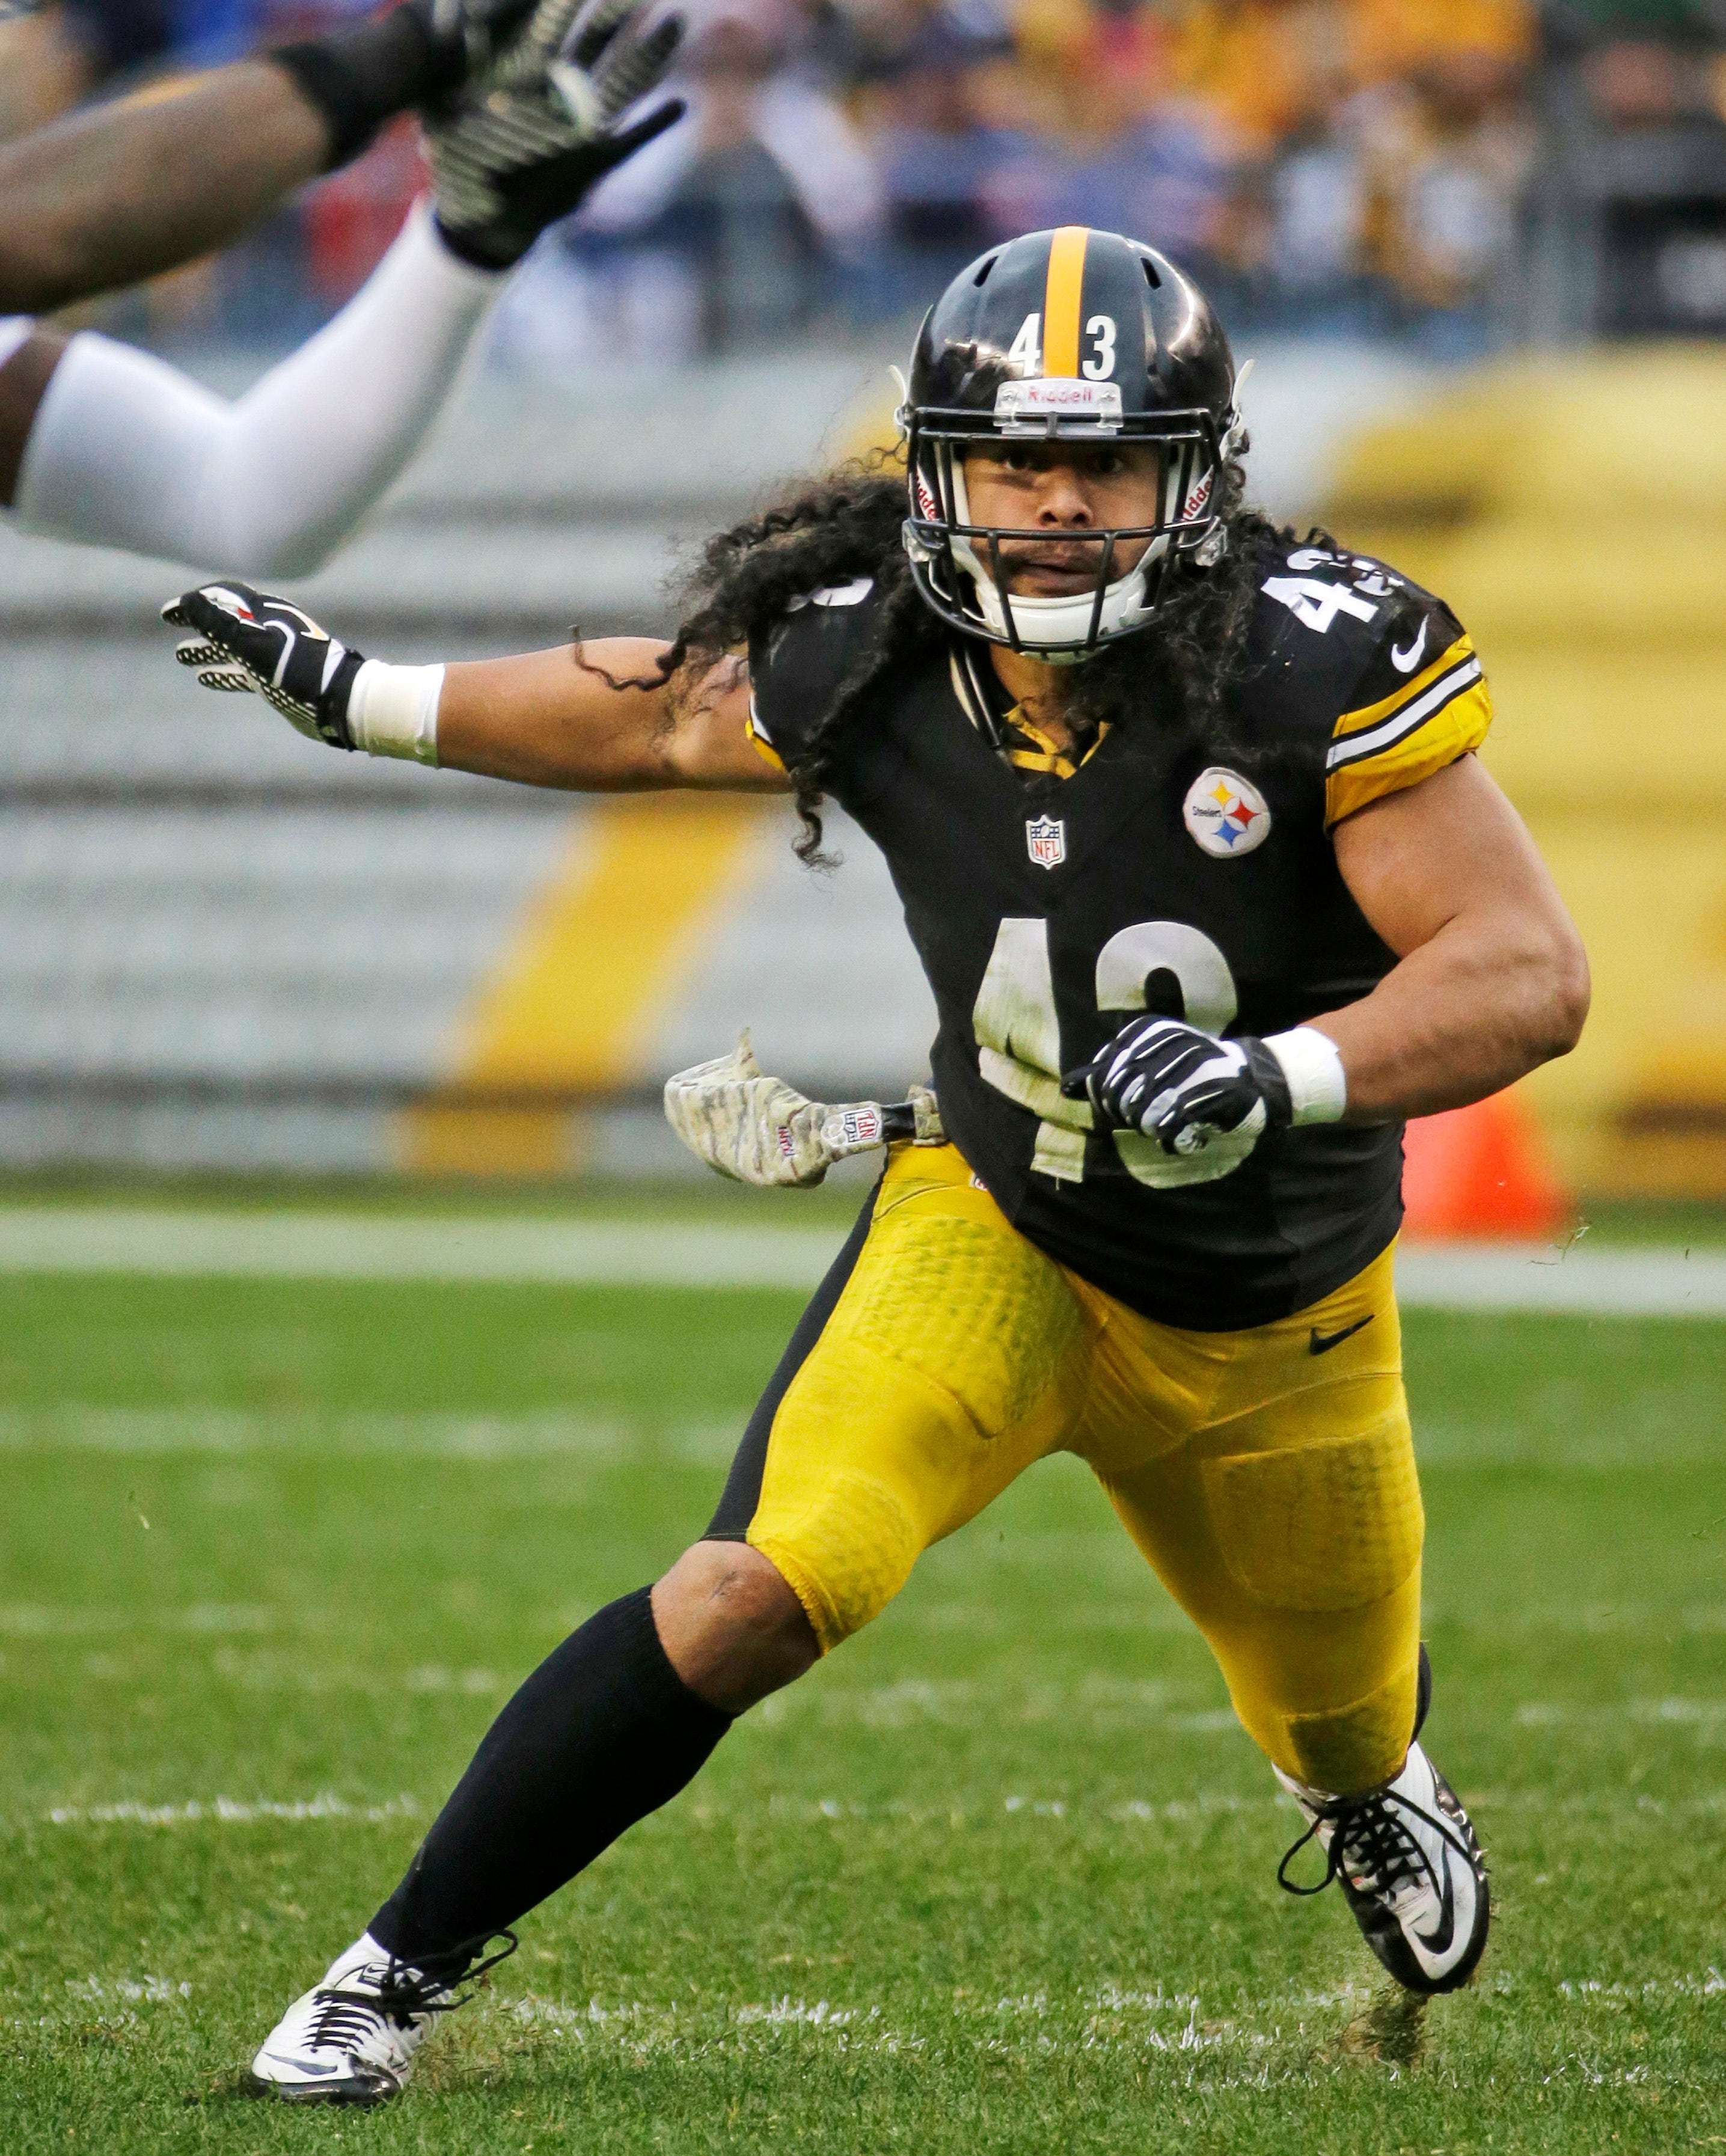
x=421, y=54
x=248, y=642
x=538, y=132
x=1181, y=1086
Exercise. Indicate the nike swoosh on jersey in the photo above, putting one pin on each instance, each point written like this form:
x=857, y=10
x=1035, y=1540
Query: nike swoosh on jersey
x=1405, y=662
x=1321, y=1343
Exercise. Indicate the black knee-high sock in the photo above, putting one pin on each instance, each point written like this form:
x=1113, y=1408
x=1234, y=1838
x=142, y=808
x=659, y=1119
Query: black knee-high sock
x=603, y=1732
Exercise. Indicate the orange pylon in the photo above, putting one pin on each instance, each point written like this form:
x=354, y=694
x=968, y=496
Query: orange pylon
x=1479, y=1170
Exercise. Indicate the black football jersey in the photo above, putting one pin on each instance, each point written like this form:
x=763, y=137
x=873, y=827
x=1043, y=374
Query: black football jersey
x=1158, y=875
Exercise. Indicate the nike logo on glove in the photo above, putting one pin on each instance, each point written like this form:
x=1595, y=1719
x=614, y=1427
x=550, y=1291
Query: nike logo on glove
x=1405, y=662
x=1321, y=1343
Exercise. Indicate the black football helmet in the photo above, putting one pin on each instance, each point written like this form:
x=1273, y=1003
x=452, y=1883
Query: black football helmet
x=1066, y=335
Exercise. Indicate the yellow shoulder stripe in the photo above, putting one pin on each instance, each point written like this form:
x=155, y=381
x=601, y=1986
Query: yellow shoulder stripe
x=1415, y=750
x=1401, y=700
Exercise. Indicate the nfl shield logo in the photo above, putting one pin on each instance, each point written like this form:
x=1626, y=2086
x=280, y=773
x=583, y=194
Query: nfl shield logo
x=1046, y=838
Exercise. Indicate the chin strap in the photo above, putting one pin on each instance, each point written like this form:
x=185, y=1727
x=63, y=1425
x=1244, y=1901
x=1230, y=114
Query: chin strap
x=975, y=700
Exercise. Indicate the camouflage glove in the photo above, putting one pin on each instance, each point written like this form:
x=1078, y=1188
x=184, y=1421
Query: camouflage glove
x=757, y=1129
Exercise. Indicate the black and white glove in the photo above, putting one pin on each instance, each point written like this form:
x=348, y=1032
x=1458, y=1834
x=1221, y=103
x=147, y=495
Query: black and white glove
x=536, y=133
x=247, y=642
x=1183, y=1087
x=422, y=53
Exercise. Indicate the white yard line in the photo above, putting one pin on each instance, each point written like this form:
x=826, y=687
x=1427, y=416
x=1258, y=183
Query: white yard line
x=223, y=1811
x=355, y=1246
x=1585, y=1281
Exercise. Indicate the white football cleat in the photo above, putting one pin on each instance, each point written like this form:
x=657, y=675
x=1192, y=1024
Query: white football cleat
x=352, y=2039
x=1410, y=1869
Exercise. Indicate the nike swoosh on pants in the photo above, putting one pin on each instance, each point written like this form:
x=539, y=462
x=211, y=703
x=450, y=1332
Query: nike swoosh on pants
x=1321, y=1343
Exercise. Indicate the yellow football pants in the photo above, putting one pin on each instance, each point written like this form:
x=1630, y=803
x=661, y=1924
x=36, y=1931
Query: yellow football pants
x=1268, y=1477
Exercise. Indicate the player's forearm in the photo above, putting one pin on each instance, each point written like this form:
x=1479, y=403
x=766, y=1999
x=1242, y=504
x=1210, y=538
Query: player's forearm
x=540, y=721
x=118, y=193
x=594, y=718
x=578, y=718
x=1481, y=1005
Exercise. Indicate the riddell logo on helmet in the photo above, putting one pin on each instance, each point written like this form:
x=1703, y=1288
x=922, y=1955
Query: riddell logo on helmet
x=1194, y=505
x=1059, y=396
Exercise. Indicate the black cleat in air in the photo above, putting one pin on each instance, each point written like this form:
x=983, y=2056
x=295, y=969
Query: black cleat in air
x=1410, y=1869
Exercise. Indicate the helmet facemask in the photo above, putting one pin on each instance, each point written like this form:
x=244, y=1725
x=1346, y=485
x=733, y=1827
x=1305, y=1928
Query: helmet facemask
x=960, y=565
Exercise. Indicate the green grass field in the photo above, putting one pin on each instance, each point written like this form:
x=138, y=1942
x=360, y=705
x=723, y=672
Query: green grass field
x=1000, y=1876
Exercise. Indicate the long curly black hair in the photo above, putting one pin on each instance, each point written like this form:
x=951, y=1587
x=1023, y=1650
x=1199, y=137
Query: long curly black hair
x=849, y=525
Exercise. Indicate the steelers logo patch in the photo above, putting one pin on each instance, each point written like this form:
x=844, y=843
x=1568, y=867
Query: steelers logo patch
x=1225, y=814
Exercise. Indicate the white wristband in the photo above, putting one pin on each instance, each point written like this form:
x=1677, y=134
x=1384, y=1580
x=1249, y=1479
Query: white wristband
x=1318, y=1088
x=392, y=710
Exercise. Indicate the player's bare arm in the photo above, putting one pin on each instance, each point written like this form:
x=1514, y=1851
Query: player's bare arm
x=1493, y=980
x=102, y=443
x=601, y=717
x=107, y=197
x=598, y=718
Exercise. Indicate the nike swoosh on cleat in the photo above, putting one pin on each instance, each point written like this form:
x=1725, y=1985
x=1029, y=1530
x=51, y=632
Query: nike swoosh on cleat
x=1404, y=662
x=1321, y=1343
x=1438, y=1941
x=299, y=2066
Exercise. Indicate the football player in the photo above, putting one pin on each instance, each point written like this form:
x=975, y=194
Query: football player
x=1212, y=893
x=104, y=443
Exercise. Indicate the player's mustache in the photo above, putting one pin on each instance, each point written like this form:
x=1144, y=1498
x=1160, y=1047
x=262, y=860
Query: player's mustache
x=1051, y=554
x=1078, y=554
x=1062, y=550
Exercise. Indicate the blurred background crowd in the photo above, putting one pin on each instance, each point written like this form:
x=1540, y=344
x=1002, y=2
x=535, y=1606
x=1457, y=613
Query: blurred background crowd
x=1463, y=174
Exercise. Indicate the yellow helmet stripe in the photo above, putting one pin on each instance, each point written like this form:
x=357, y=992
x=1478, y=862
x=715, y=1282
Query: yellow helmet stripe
x=1061, y=301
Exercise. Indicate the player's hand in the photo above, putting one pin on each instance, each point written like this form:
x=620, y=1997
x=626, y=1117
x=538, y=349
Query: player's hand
x=463, y=38
x=422, y=53
x=537, y=132
x=1183, y=1087
x=247, y=641
x=757, y=1129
